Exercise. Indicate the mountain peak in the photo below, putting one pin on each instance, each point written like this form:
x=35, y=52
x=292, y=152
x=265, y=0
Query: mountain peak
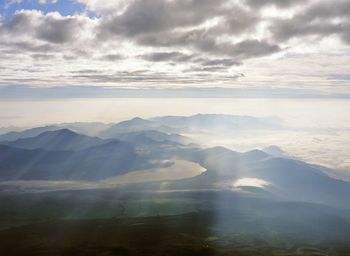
x=137, y=119
x=64, y=131
x=256, y=154
x=134, y=121
x=62, y=139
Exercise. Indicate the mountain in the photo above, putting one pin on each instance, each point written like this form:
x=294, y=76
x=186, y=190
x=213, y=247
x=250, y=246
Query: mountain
x=274, y=151
x=95, y=163
x=62, y=139
x=133, y=125
x=4, y=130
x=86, y=128
x=166, y=124
x=199, y=122
x=91, y=129
x=215, y=122
x=149, y=136
x=66, y=155
x=299, y=181
x=15, y=135
x=287, y=179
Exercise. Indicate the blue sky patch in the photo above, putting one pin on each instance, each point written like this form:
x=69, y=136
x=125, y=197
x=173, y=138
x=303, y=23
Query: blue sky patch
x=64, y=7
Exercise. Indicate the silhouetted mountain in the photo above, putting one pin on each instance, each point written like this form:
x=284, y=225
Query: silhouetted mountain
x=63, y=139
x=91, y=129
x=95, y=163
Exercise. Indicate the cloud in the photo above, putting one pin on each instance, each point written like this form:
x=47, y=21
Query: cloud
x=323, y=18
x=178, y=42
x=111, y=57
x=221, y=62
x=278, y=3
x=166, y=56
x=47, y=1
x=174, y=23
x=192, y=91
x=250, y=182
x=9, y=117
x=8, y=3
x=58, y=30
x=103, y=7
x=51, y=27
x=152, y=16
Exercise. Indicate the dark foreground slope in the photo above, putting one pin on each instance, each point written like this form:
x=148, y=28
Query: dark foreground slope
x=188, y=234
x=112, y=222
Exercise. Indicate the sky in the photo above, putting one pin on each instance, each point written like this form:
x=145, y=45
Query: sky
x=246, y=48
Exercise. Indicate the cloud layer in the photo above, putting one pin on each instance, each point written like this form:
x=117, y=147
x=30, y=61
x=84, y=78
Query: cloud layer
x=174, y=43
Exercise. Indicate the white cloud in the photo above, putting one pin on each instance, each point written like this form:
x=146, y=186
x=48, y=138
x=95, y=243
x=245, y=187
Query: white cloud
x=175, y=43
x=47, y=1
x=250, y=182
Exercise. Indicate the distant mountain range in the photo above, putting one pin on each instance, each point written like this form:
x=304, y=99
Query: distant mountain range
x=167, y=124
x=49, y=153
x=215, y=122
